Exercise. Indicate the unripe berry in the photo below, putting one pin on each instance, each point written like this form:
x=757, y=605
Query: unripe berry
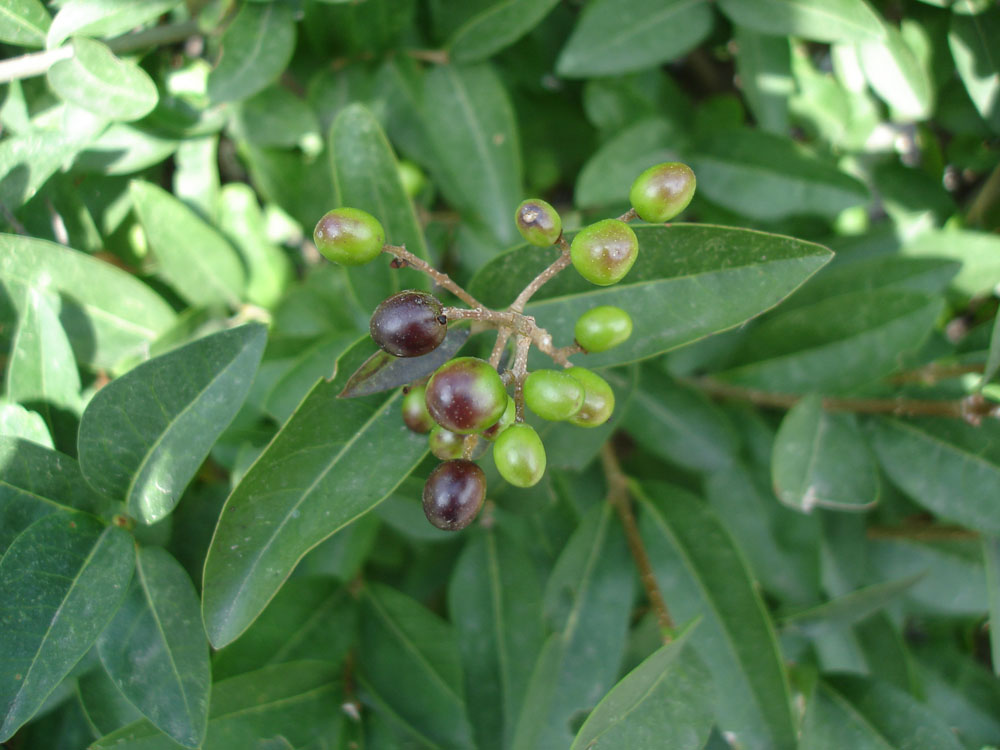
x=453, y=494
x=444, y=443
x=598, y=399
x=412, y=177
x=505, y=421
x=466, y=395
x=520, y=456
x=349, y=236
x=605, y=251
x=538, y=222
x=409, y=324
x=602, y=328
x=552, y=394
x=415, y=413
x=662, y=192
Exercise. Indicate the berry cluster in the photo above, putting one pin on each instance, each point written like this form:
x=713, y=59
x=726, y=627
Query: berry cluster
x=465, y=405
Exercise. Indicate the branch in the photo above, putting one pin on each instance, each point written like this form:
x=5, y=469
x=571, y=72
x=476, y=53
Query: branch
x=541, y=279
x=443, y=280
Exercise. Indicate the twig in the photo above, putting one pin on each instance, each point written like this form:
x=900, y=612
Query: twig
x=443, y=280
x=934, y=373
x=628, y=216
x=618, y=496
x=436, y=56
x=503, y=335
x=522, y=345
x=541, y=279
x=926, y=533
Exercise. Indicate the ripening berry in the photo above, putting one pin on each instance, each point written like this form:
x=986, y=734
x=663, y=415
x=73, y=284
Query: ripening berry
x=505, y=421
x=552, y=394
x=349, y=236
x=598, y=399
x=662, y=192
x=415, y=413
x=444, y=443
x=602, y=328
x=519, y=455
x=408, y=324
x=538, y=222
x=453, y=494
x=605, y=251
x=466, y=395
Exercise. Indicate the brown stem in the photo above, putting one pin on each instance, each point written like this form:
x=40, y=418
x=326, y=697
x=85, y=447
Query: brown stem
x=443, y=280
x=934, y=373
x=921, y=533
x=628, y=216
x=436, y=56
x=540, y=280
x=503, y=335
x=618, y=496
x=522, y=345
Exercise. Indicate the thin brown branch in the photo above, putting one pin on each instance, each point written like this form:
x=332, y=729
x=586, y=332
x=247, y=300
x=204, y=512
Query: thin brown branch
x=540, y=280
x=618, y=496
x=443, y=280
x=628, y=216
x=503, y=335
x=922, y=533
x=935, y=373
x=436, y=56
x=522, y=345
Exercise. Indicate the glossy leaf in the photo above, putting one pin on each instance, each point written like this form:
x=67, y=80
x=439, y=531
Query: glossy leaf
x=144, y=435
x=992, y=366
x=619, y=36
x=192, y=256
x=155, y=648
x=817, y=20
x=60, y=582
x=972, y=42
x=978, y=252
x=333, y=461
x=857, y=712
x=103, y=704
x=668, y=700
x=27, y=161
x=963, y=692
x=409, y=663
x=587, y=606
x=293, y=700
x=991, y=556
x=836, y=344
x=770, y=177
x=277, y=117
x=495, y=603
x=852, y=607
x=16, y=421
x=701, y=572
x=24, y=22
x=312, y=364
x=256, y=47
x=896, y=75
x=949, y=467
x=763, y=62
x=821, y=459
x=688, y=282
x=108, y=314
x=104, y=18
x=496, y=27
x=95, y=80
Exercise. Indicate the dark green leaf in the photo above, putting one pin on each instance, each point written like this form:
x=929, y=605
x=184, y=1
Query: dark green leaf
x=277, y=117
x=301, y=186
x=896, y=75
x=667, y=701
x=977, y=61
x=24, y=22
x=155, y=649
x=104, y=18
x=689, y=281
x=193, y=257
x=962, y=692
x=256, y=47
x=315, y=362
x=991, y=555
x=979, y=253
x=60, y=582
x=497, y=27
x=763, y=62
x=992, y=366
x=144, y=435
x=333, y=461
x=853, y=607
x=819, y=20
x=103, y=704
x=701, y=572
x=619, y=36
x=821, y=460
x=409, y=663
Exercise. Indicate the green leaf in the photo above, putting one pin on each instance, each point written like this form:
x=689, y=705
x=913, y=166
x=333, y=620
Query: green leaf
x=27, y=161
x=301, y=186
x=619, y=36
x=366, y=176
x=333, y=461
x=947, y=466
x=853, y=607
x=192, y=256
x=155, y=648
x=818, y=20
x=991, y=555
x=24, y=22
x=496, y=27
x=296, y=701
x=701, y=572
x=196, y=174
x=495, y=603
x=95, y=80
x=896, y=75
x=408, y=662
x=764, y=65
x=770, y=177
x=144, y=435
x=256, y=47
x=472, y=128
x=992, y=366
x=16, y=421
x=103, y=704
x=688, y=282
x=977, y=61
x=41, y=371
x=104, y=18
x=668, y=700
x=124, y=149
x=979, y=253
x=587, y=605
x=312, y=364
x=821, y=459
x=60, y=582
x=962, y=692
x=857, y=712
x=836, y=344
x=277, y=117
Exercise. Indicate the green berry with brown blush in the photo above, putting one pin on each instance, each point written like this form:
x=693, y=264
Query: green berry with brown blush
x=605, y=251
x=445, y=444
x=349, y=236
x=519, y=455
x=409, y=324
x=538, y=222
x=552, y=394
x=453, y=494
x=598, y=399
x=662, y=192
x=466, y=395
x=415, y=414
x=505, y=421
x=602, y=328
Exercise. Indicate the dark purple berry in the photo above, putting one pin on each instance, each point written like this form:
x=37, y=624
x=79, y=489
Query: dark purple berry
x=454, y=493
x=407, y=324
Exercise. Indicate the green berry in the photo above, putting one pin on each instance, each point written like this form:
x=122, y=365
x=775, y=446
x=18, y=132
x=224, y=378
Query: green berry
x=598, y=399
x=538, y=222
x=415, y=413
x=349, y=236
x=444, y=443
x=602, y=328
x=662, y=192
x=604, y=252
x=412, y=177
x=466, y=395
x=491, y=433
x=552, y=394
x=519, y=455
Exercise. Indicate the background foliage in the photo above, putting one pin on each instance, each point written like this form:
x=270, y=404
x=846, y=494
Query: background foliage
x=203, y=547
